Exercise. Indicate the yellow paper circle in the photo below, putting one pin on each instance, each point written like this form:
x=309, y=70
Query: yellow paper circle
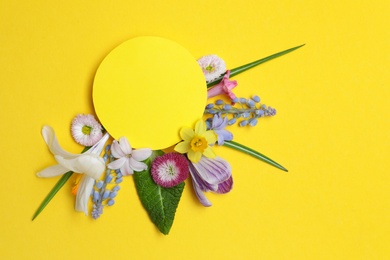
x=146, y=89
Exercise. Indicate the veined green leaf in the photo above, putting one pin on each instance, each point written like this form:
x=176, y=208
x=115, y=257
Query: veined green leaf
x=247, y=150
x=248, y=66
x=160, y=203
x=55, y=189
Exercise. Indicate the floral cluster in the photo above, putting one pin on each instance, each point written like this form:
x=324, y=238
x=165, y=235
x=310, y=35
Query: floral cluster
x=98, y=178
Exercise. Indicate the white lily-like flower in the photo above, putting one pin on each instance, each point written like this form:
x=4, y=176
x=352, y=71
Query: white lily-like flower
x=89, y=163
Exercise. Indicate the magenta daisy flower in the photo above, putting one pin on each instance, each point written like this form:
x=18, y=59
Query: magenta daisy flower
x=170, y=169
x=86, y=130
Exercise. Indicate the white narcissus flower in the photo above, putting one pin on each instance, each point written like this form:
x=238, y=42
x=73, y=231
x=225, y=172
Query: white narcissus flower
x=128, y=160
x=89, y=163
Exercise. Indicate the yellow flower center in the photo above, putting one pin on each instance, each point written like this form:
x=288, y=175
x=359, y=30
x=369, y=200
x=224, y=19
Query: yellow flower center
x=210, y=68
x=198, y=144
x=86, y=129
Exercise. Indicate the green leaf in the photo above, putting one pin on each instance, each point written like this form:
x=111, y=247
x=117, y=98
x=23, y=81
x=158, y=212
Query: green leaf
x=159, y=202
x=53, y=192
x=238, y=70
x=55, y=189
x=247, y=150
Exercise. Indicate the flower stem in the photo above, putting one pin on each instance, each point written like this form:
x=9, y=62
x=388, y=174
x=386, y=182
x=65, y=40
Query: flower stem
x=254, y=153
x=245, y=67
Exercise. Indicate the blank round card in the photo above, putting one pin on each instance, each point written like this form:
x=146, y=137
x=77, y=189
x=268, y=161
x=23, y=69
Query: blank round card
x=146, y=89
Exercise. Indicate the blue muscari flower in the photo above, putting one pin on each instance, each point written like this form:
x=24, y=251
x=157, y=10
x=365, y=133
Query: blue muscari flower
x=218, y=125
x=102, y=195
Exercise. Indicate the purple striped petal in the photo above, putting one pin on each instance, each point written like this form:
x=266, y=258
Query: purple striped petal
x=198, y=191
x=203, y=185
x=213, y=171
x=225, y=186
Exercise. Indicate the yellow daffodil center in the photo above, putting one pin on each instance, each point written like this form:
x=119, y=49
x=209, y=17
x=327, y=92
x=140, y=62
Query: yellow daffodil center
x=86, y=129
x=198, y=144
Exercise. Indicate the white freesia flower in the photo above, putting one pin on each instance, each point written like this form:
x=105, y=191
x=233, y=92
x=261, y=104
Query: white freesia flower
x=89, y=163
x=128, y=160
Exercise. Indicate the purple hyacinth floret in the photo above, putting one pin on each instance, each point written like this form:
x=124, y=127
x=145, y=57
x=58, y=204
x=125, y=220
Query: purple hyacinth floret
x=219, y=124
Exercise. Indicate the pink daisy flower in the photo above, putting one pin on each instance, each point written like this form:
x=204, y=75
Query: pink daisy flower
x=212, y=67
x=86, y=130
x=170, y=169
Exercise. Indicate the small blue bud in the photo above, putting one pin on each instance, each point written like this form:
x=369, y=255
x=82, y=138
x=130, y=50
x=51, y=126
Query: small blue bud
x=105, y=157
x=95, y=197
x=112, y=195
x=243, y=100
x=116, y=188
x=108, y=178
x=213, y=111
x=243, y=123
x=259, y=113
x=235, y=100
x=253, y=122
x=232, y=121
x=250, y=103
x=209, y=106
x=227, y=107
x=219, y=102
x=256, y=98
x=245, y=115
x=110, y=202
x=105, y=194
x=118, y=174
x=119, y=180
x=99, y=184
x=108, y=147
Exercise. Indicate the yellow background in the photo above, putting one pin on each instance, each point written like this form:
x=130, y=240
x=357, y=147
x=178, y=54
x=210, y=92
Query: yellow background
x=331, y=131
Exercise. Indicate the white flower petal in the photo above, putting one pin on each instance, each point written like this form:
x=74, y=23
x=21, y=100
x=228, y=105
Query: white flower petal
x=83, y=194
x=98, y=147
x=90, y=164
x=117, y=164
x=51, y=140
x=126, y=169
x=52, y=171
x=141, y=154
x=116, y=151
x=137, y=166
x=125, y=145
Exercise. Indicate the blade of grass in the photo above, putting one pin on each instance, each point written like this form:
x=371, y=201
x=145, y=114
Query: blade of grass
x=248, y=66
x=257, y=155
x=53, y=192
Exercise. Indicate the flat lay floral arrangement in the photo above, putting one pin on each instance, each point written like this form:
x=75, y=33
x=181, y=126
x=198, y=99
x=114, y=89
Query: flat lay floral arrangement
x=160, y=176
